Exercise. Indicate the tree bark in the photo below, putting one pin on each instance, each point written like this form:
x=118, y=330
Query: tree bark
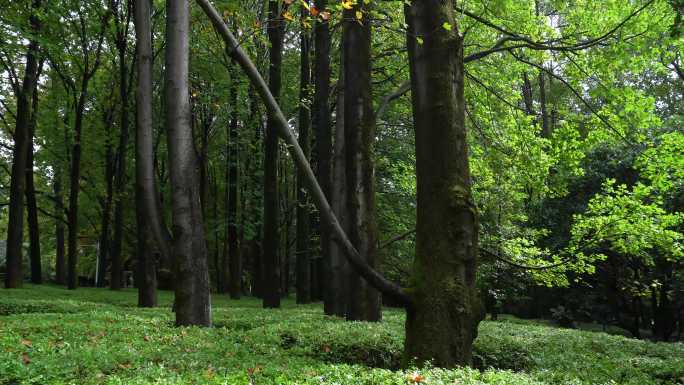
x=323, y=139
x=232, y=246
x=60, y=268
x=145, y=153
x=15, y=225
x=147, y=205
x=271, y=261
x=31, y=205
x=442, y=323
x=104, y=249
x=74, y=189
x=302, y=253
x=359, y=135
x=120, y=175
x=193, y=306
x=337, y=296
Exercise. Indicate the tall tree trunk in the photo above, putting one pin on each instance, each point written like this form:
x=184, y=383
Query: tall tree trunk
x=442, y=323
x=323, y=132
x=88, y=71
x=232, y=246
x=337, y=295
x=74, y=189
x=104, y=249
x=193, y=306
x=145, y=155
x=15, y=225
x=271, y=261
x=359, y=132
x=31, y=205
x=146, y=266
x=120, y=176
x=302, y=251
x=60, y=271
x=146, y=212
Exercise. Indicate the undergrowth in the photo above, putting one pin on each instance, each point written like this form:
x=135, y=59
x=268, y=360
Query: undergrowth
x=49, y=335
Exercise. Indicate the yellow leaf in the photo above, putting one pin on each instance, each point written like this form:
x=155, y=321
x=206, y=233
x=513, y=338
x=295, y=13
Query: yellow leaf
x=359, y=15
x=347, y=4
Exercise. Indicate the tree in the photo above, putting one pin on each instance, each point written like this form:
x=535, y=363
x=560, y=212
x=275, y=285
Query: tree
x=146, y=212
x=271, y=260
x=232, y=247
x=442, y=322
x=24, y=94
x=122, y=16
x=303, y=241
x=76, y=80
x=193, y=305
x=31, y=204
x=359, y=136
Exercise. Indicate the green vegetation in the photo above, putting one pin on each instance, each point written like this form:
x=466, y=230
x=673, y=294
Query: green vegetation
x=49, y=335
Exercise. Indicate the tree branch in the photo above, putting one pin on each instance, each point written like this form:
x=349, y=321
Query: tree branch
x=547, y=45
x=373, y=277
x=399, y=92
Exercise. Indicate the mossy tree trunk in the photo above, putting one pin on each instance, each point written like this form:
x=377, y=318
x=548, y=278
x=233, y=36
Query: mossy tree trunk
x=442, y=322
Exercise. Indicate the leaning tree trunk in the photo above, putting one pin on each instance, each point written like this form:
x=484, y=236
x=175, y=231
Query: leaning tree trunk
x=359, y=133
x=442, y=323
x=271, y=261
x=193, y=306
x=144, y=178
x=15, y=225
x=31, y=204
x=303, y=271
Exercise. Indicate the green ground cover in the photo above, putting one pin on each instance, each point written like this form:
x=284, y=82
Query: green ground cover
x=49, y=335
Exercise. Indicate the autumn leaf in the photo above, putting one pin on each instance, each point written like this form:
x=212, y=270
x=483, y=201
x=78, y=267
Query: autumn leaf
x=288, y=16
x=325, y=15
x=25, y=358
x=314, y=11
x=416, y=378
x=347, y=4
x=26, y=342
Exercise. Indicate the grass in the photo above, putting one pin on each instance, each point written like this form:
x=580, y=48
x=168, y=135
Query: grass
x=49, y=335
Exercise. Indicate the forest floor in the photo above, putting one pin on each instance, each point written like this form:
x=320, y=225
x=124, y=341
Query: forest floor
x=49, y=335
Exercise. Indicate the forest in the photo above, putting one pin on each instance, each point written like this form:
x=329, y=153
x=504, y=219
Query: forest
x=342, y=192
